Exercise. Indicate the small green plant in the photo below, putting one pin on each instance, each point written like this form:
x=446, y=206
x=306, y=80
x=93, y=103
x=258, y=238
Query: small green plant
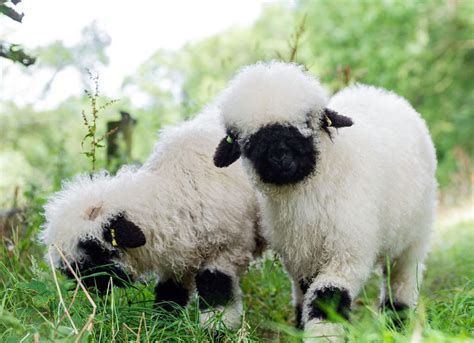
x=294, y=42
x=91, y=138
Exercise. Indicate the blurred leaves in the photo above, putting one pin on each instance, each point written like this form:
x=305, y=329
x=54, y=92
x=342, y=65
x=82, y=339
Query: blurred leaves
x=41, y=292
x=88, y=54
x=422, y=50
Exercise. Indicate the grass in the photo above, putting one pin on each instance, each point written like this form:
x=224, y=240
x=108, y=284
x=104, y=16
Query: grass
x=31, y=311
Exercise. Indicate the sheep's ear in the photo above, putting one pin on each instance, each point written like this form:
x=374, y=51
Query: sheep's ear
x=333, y=119
x=122, y=233
x=227, y=152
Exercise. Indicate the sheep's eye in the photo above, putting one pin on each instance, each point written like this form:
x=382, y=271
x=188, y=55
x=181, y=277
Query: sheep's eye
x=308, y=122
x=231, y=136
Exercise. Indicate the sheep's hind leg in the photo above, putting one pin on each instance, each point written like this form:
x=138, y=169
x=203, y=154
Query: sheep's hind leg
x=402, y=278
x=170, y=295
x=219, y=294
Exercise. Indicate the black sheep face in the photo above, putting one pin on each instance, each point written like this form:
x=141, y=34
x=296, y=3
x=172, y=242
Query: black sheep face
x=279, y=152
x=98, y=265
x=100, y=256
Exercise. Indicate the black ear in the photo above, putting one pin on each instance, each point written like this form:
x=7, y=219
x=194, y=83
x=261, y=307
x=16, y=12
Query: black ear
x=227, y=152
x=333, y=119
x=122, y=233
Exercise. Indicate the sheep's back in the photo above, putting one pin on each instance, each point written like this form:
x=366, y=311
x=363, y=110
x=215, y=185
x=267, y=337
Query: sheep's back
x=385, y=164
x=207, y=210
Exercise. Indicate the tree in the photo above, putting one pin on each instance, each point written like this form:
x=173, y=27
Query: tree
x=87, y=54
x=422, y=50
x=13, y=52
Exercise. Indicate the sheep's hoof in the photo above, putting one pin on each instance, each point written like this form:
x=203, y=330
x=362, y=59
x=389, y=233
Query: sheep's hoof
x=397, y=314
x=214, y=325
x=317, y=330
x=218, y=336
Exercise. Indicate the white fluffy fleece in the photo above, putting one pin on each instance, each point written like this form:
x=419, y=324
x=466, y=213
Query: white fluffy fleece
x=372, y=196
x=193, y=215
x=248, y=102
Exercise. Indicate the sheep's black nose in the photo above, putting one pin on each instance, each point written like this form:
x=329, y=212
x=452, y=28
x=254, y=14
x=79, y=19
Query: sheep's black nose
x=281, y=156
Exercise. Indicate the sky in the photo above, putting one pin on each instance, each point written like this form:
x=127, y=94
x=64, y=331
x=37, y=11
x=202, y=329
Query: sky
x=167, y=24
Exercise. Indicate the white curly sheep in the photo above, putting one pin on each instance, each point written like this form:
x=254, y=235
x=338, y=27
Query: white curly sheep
x=346, y=184
x=178, y=216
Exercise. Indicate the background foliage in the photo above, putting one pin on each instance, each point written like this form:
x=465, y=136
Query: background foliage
x=422, y=50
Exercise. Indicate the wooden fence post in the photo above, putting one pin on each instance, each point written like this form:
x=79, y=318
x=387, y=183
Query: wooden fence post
x=125, y=130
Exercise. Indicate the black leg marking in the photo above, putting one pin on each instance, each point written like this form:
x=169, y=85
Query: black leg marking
x=395, y=306
x=329, y=301
x=397, y=312
x=219, y=336
x=169, y=294
x=299, y=316
x=303, y=285
x=214, y=288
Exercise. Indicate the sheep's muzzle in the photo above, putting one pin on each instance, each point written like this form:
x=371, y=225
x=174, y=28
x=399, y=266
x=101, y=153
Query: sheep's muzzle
x=281, y=154
x=98, y=266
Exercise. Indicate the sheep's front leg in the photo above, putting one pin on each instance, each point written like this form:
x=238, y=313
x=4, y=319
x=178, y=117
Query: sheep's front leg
x=171, y=294
x=324, y=309
x=299, y=289
x=219, y=294
x=329, y=297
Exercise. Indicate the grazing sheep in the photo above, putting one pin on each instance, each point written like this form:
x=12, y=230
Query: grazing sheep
x=346, y=184
x=177, y=216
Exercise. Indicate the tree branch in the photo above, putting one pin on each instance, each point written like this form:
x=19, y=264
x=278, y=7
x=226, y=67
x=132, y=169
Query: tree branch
x=10, y=12
x=16, y=54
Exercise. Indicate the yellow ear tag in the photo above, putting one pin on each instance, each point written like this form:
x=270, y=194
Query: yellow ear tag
x=328, y=121
x=112, y=233
x=229, y=140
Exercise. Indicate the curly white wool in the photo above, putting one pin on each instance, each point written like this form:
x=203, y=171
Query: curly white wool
x=372, y=197
x=193, y=215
